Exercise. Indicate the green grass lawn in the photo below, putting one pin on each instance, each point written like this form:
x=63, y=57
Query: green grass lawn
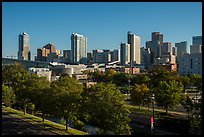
x=52, y=126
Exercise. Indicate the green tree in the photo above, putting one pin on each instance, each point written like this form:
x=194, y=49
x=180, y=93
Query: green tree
x=187, y=103
x=107, y=111
x=8, y=96
x=160, y=73
x=140, y=79
x=97, y=76
x=139, y=93
x=41, y=97
x=108, y=77
x=17, y=77
x=67, y=94
x=121, y=79
x=168, y=94
x=196, y=80
x=185, y=81
x=14, y=74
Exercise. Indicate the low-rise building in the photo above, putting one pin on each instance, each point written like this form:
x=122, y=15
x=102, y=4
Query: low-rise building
x=41, y=72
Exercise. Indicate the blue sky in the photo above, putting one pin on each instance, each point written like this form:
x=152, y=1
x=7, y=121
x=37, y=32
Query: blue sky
x=105, y=24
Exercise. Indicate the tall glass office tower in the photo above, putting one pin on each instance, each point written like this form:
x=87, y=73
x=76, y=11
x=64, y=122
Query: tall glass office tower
x=78, y=48
x=24, y=47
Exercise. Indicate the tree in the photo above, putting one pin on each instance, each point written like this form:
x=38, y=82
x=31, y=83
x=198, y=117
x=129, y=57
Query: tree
x=168, y=94
x=41, y=97
x=140, y=79
x=106, y=108
x=160, y=73
x=108, y=77
x=8, y=96
x=67, y=94
x=139, y=93
x=17, y=77
x=97, y=76
x=196, y=80
x=121, y=79
x=14, y=74
x=185, y=81
x=187, y=103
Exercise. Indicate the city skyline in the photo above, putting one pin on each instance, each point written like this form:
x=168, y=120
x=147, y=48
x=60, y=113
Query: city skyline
x=105, y=28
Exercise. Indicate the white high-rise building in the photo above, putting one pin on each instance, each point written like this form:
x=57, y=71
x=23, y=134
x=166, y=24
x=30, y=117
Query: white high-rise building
x=24, y=47
x=134, y=42
x=78, y=48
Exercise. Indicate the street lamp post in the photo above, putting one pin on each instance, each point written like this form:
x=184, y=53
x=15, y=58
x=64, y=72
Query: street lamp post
x=152, y=118
x=128, y=89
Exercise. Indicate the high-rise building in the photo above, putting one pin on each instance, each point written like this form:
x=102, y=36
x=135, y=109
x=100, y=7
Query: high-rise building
x=155, y=45
x=181, y=49
x=195, y=49
x=124, y=53
x=43, y=53
x=101, y=56
x=78, y=48
x=51, y=47
x=197, y=40
x=115, y=55
x=145, y=56
x=174, y=51
x=89, y=58
x=156, y=36
x=67, y=54
x=24, y=47
x=166, y=48
x=197, y=45
x=134, y=42
x=191, y=64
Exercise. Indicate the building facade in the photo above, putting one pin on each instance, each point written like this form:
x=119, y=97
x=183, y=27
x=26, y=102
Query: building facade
x=78, y=48
x=47, y=53
x=124, y=53
x=191, y=64
x=166, y=48
x=145, y=56
x=195, y=49
x=101, y=56
x=134, y=42
x=24, y=47
x=46, y=72
x=197, y=40
x=181, y=49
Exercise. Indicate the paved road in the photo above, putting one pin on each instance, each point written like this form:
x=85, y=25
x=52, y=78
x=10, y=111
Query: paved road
x=15, y=126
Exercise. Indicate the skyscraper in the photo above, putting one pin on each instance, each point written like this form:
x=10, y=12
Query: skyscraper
x=156, y=36
x=124, y=53
x=197, y=40
x=43, y=53
x=78, y=48
x=134, y=42
x=197, y=45
x=166, y=48
x=181, y=49
x=24, y=47
x=155, y=45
